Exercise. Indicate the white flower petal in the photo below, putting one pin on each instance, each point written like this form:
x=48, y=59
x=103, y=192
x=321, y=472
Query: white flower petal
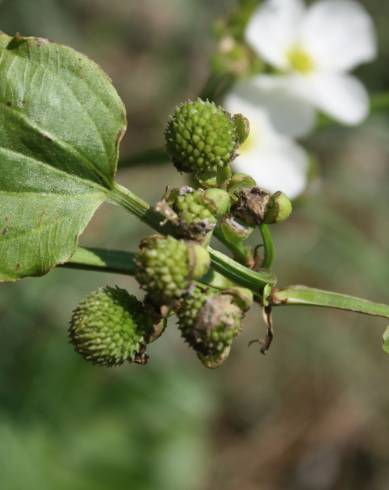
x=288, y=114
x=342, y=97
x=282, y=167
x=273, y=29
x=339, y=34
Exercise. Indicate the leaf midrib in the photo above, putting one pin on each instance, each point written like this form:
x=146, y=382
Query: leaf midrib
x=62, y=144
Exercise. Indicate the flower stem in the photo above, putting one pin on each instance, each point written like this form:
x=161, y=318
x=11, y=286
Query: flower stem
x=231, y=269
x=302, y=295
x=121, y=262
x=146, y=157
x=268, y=246
x=97, y=259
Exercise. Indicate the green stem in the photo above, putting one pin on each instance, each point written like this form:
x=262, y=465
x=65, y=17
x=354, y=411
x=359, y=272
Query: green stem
x=231, y=269
x=302, y=295
x=268, y=246
x=216, y=86
x=146, y=157
x=240, y=252
x=240, y=274
x=100, y=260
x=120, y=262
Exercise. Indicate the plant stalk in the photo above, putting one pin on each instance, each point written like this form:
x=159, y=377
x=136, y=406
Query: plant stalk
x=231, y=269
x=268, y=246
x=302, y=295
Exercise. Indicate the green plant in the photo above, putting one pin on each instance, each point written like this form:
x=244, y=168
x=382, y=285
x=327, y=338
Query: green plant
x=61, y=126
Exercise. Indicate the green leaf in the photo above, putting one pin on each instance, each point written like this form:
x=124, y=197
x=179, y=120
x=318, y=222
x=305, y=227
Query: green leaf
x=386, y=341
x=61, y=122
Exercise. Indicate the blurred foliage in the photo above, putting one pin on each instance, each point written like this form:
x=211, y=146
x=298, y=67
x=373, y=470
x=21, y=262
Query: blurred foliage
x=311, y=415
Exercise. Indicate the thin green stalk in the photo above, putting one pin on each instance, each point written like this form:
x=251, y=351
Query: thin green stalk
x=268, y=246
x=121, y=262
x=240, y=251
x=231, y=269
x=240, y=274
x=146, y=157
x=302, y=295
x=216, y=86
x=100, y=260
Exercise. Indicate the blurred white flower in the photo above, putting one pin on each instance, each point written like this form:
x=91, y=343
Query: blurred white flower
x=314, y=48
x=275, y=161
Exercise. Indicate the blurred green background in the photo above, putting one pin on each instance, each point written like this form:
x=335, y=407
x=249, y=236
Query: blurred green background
x=311, y=415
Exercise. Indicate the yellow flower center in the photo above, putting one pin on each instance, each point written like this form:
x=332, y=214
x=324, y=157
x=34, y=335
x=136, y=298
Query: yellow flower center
x=300, y=60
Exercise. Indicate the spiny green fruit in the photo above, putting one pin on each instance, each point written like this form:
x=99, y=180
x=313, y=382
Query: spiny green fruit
x=199, y=205
x=166, y=267
x=209, y=321
x=201, y=138
x=215, y=360
x=198, y=211
x=110, y=327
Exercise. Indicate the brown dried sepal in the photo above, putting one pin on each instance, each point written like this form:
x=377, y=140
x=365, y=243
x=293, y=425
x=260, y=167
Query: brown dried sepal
x=251, y=206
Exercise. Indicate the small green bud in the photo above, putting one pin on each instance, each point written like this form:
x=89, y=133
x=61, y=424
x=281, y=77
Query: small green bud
x=234, y=230
x=242, y=125
x=166, y=267
x=201, y=138
x=238, y=182
x=279, y=208
x=110, y=327
x=209, y=321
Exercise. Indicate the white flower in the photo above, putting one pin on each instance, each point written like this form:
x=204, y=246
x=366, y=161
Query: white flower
x=315, y=48
x=275, y=161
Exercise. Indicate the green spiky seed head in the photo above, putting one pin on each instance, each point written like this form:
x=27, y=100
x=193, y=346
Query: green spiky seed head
x=166, y=267
x=195, y=206
x=216, y=360
x=201, y=138
x=110, y=327
x=192, y=208
x=209, y=321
